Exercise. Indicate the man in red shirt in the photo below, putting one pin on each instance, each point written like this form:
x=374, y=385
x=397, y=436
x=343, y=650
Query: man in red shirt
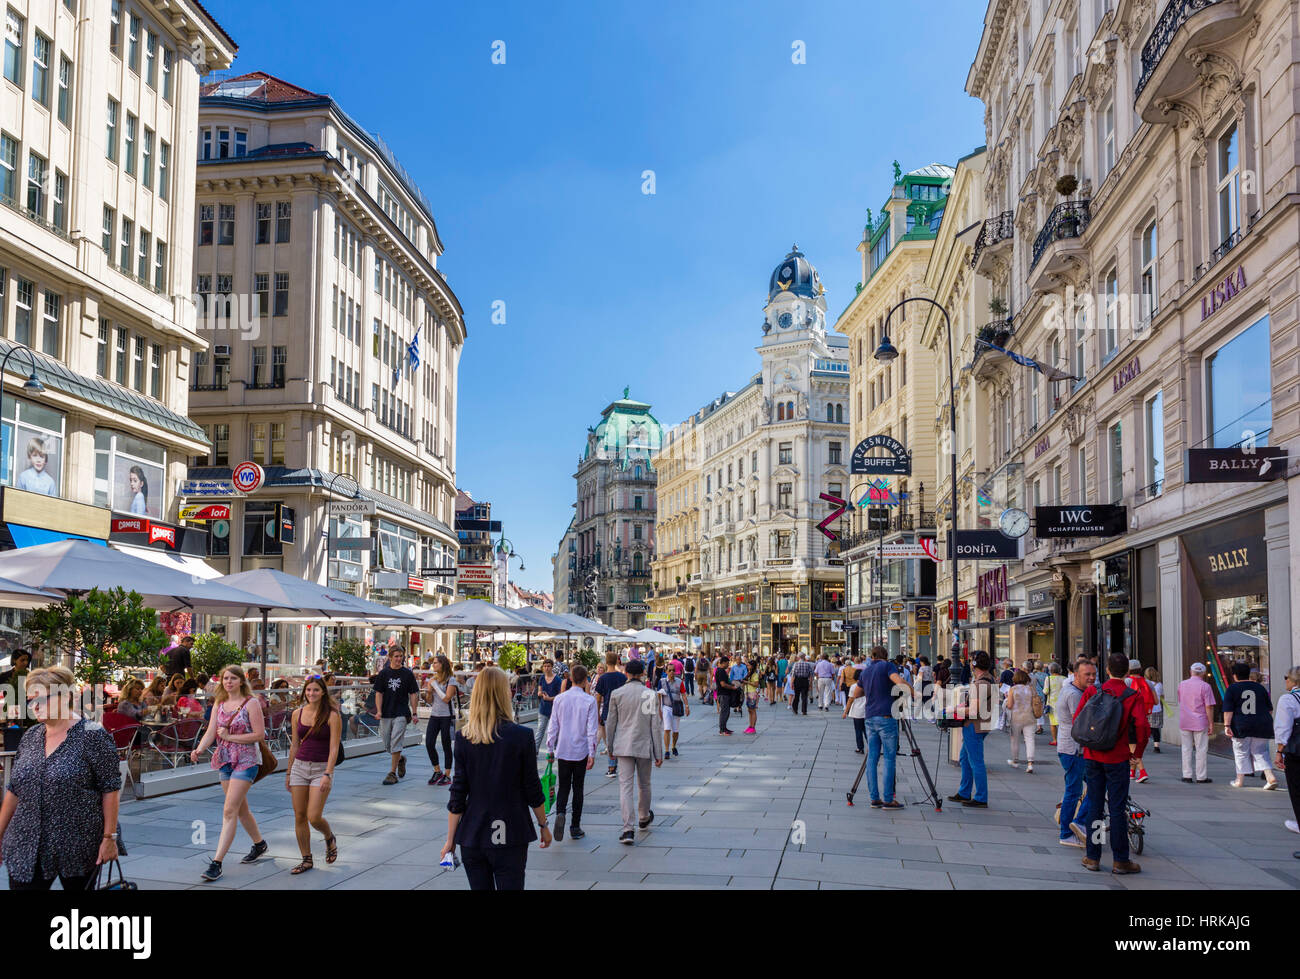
x=1107, y=772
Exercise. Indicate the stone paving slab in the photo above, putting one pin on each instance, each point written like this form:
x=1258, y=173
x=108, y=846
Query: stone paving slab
x=765, y=811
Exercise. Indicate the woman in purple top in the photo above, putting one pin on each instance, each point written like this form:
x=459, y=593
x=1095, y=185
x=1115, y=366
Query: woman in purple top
x=317, y=729
x=237, y=727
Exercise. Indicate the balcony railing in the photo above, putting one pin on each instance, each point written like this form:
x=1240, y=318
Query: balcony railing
x=1229, y=243
x=995, y=230
x=1175, y=14
x=1067, y=220
x=35, y=216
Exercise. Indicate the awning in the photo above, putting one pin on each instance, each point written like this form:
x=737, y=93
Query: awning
x=32, y=536
x=1044, y=616
x=188, y=563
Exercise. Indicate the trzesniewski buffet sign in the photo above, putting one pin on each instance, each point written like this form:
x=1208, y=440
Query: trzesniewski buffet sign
x=897, y=463
x=1087, y=520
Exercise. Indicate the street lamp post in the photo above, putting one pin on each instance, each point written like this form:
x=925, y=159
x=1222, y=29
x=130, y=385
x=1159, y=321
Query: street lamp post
x=887, y=352
x=32, y=384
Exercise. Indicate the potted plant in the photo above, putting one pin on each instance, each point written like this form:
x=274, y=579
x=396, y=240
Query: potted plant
x=101, y=631
x=1067, y=184
x=998, y=307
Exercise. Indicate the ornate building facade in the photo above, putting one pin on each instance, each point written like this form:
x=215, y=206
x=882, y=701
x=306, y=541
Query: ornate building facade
x=1143, y=211
x=894, y=402
x=614, y=523
x=770, y=582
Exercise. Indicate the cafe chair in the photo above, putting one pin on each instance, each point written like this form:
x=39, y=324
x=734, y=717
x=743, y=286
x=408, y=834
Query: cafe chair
x=174, y=742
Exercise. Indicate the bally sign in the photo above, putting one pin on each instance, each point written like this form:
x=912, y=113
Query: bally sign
x=897, y=463
x=1223, y=292
x=1099, y=520
x=1235, y=465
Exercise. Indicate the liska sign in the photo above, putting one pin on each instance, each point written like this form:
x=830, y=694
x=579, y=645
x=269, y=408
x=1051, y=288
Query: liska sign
x=1223, y=292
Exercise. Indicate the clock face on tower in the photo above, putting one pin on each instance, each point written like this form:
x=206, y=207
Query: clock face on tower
x=784, y=321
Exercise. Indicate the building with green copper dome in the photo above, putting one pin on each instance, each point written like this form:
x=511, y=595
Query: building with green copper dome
x=612, y=533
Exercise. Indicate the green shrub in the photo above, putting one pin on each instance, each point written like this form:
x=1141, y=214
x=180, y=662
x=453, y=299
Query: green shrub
x=213, y=653
x=347, y=657
x=107, y=630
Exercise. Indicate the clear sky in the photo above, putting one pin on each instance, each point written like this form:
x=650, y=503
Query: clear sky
x=534, y=170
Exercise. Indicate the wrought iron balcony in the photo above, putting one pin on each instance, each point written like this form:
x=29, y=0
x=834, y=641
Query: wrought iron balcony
x=1175, y=14
x=1068, y=219
x=995, y=232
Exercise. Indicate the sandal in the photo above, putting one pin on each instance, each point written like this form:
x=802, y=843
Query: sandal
x=304, y=866
x=331, y=849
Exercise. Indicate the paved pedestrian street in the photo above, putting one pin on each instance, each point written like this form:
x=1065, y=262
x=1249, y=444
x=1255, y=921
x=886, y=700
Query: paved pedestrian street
x=727, y=811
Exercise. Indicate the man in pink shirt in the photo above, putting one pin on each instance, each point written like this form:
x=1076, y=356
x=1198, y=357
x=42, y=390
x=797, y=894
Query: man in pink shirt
x=1196, y=722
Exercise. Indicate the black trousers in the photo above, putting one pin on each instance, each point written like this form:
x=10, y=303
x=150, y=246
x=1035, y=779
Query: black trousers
x=800, y=693
x=724, y=709
x=439, y=726
x=36, y=884
x=1292, y=770
x=689, y=680
x=573, y=774
x=495, y=868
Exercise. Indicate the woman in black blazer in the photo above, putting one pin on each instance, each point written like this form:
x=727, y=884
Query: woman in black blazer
x=495, y=785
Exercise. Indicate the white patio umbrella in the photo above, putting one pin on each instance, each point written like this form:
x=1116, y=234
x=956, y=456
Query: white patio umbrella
x=474, y=614
x=14, y=595
x=307, y=600
x=661, y=638
x=76, y=566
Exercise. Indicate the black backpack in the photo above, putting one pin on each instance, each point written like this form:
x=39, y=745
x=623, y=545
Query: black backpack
x=1100, y=723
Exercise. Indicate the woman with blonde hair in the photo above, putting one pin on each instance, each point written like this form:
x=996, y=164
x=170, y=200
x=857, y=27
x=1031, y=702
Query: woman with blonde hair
x=317, y=729
x=59, y=817
x=494, y=786
x=128, y=703
x=237, y=726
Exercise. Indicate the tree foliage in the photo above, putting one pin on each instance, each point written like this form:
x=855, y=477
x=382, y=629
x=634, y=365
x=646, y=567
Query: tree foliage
x=105, y=630
x=213, y=653
x=347, y=657
x=512, y=656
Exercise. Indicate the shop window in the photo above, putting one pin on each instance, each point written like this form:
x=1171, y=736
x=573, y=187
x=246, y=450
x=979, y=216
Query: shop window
x=129, y=474
x=31, y=452
x=261, y=531
x=1239, y=389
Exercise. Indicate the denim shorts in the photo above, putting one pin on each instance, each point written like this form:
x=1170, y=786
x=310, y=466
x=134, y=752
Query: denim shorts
x=246, y=775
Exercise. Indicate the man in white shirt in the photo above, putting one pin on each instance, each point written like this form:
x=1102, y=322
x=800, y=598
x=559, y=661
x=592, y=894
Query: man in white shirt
x=1285, y=718
x=571, y=737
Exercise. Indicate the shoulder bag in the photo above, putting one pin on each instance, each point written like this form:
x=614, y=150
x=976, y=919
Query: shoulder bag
x=1292, y=746
x=674, y=701
x=268, y=763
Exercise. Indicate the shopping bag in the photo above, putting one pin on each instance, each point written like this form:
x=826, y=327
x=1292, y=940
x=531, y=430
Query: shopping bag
x=548, y=783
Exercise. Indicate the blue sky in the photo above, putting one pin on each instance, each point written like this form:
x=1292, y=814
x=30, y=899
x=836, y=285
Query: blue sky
x=534, y=171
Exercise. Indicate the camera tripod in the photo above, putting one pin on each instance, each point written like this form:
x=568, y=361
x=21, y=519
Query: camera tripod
x=918, y=759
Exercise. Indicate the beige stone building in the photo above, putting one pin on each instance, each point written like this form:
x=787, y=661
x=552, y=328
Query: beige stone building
x=893, y=402
x=1163, y=276
x=675, y=591
x=98, y=104
x=334, y=345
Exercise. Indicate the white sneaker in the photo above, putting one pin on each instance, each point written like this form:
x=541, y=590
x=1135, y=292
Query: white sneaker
x=1013, y=764
x=1292, y=825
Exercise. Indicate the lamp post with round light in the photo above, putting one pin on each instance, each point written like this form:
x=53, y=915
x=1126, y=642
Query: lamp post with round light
x=32, y=384
x=887, y=352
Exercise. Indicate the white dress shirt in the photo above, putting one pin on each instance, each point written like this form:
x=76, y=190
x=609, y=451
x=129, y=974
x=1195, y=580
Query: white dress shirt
x=574, y=724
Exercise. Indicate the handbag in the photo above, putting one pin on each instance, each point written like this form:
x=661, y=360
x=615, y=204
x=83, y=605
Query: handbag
x=121, y=884
x=548, y=784
x=268, y=764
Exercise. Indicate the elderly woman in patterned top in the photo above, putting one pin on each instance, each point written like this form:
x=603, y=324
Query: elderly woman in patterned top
x=59, y=817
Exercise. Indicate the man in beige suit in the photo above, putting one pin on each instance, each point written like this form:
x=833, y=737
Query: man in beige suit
x=634, y=732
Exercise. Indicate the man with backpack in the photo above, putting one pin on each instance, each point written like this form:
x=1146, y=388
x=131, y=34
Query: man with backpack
x=1112, y=728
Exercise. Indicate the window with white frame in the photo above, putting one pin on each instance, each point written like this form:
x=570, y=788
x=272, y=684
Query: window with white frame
x=1154, y=414
x=1148, y=286
x=41, y=55
x=1080, y=334
x=1108, y=139
x=65, y=85
x=1228, y=184
x=1115, y=461
x=14, y=27
x=1110, y=335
